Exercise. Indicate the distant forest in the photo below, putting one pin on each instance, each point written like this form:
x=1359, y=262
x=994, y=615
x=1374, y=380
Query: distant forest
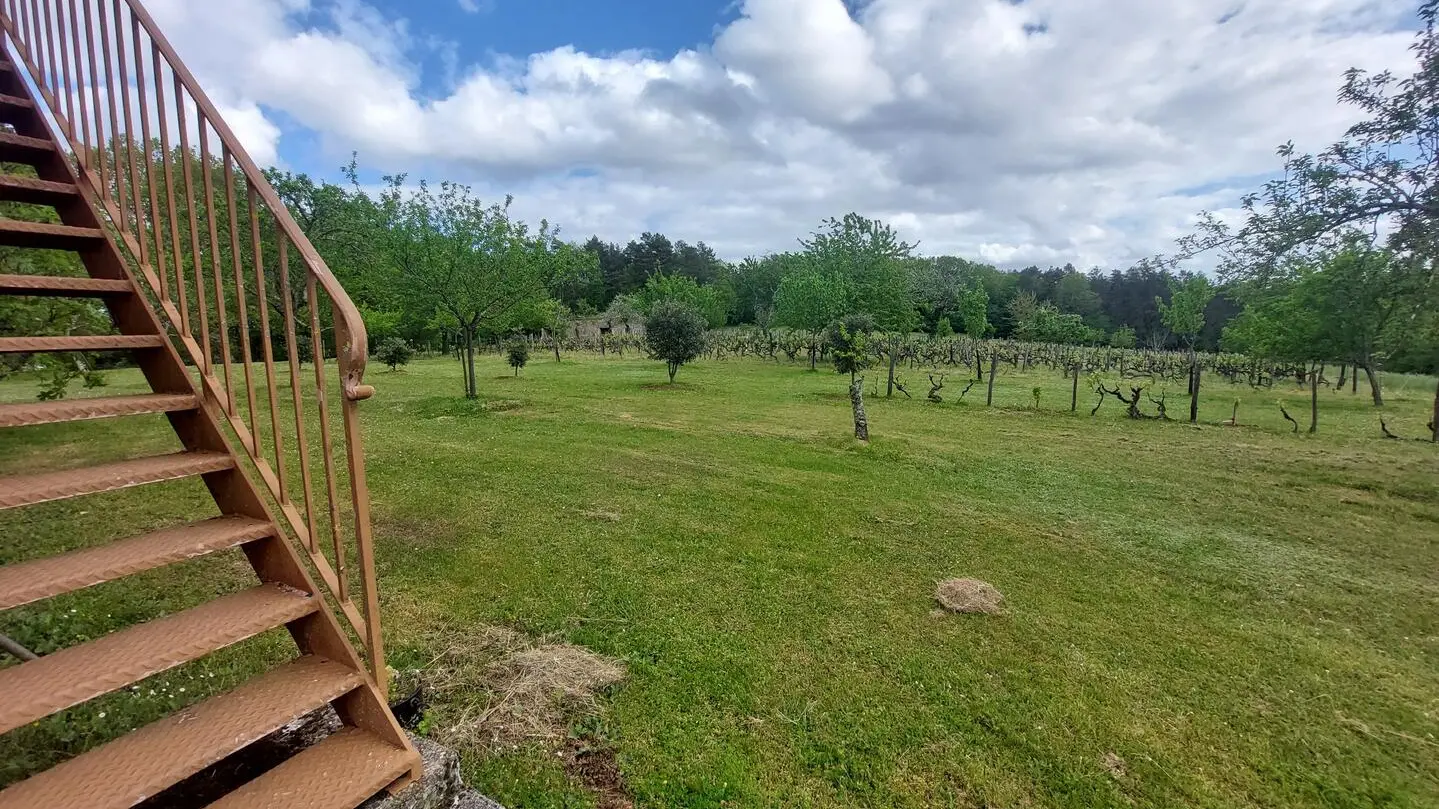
x=1104, y=301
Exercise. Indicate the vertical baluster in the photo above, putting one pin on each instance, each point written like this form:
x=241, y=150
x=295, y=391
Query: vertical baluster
x=23, y=46
x=149, y=158
x=262, y=301
x=162, y=120
x=68, y=89
x=244, y=324
x=51, y=70
x=360, y=499
x=317, y=342
x=32, y=36
x=298, y=400
x=95, y=97
x=197, y=263
x=222, y=322
x=86, y=158
x=123, y=221
x=124, y=90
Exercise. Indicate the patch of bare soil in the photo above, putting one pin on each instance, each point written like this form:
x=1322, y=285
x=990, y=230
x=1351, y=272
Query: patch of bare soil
x=595, y=767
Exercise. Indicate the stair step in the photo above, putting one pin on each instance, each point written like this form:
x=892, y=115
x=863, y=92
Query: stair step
x=14, y=188
x=100, y=342
x=62, y=285
x=25, y=490
x=25, y=582
x=25, y=414
x=40, y=687
x=20, y=233
x=22, y=149
x=346, y=769
x=8, y=103
x=141, y=764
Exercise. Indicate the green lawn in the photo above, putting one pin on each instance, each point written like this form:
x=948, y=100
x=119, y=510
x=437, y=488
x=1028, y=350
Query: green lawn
x=1197, y=616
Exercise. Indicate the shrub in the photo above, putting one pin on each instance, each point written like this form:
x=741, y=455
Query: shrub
x=848, y=343
x=517, y=353
x=674, y=333
x=395, y=352
x=943, y=328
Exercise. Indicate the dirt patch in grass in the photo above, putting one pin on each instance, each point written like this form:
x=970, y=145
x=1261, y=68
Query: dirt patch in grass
x=969, y=596
x=595, y=767
x=602, y=514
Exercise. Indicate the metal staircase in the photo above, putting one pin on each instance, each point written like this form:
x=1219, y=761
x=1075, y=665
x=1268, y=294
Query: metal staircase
x=192, y=310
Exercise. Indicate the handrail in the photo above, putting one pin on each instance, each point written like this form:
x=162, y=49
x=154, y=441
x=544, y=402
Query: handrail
x=356, y=348
x=121, y=165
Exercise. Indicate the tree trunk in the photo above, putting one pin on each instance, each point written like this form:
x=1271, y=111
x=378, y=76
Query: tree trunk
x=1374, y=384
x=1194, y=372
x=557, y=349
x=1074, y=394
x=471, y=390
x=811, y=354
x=1314, y=374
x=673, y=369
x=889, y=389
x=1354, y=380
x=1343, y=376
x=856, y=401
x=993, y=367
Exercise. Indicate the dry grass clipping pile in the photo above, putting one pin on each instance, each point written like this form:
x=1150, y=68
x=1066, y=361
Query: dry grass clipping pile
x=492, y=689
x=969, y=596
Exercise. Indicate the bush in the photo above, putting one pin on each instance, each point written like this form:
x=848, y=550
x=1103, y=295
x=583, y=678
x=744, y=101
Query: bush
x=943, y=328
x=517, y=353
x=675, y=333
x=395, y=352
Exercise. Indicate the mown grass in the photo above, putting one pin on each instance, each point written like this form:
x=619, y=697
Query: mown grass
x=1198, y=616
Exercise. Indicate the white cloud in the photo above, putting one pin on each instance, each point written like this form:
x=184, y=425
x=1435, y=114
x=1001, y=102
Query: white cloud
x=1042, y=131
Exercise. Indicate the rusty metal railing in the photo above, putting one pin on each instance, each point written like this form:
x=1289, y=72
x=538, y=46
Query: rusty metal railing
x=217, y=249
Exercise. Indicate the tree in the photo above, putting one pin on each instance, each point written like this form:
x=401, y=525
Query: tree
x=675, y=333
x=1382, y=176
x=395, y=352
x=517, y=353
x=755, y=282
x=704, y=299
x=1184, y=315
x=974, y=310
x=849, y=346
x=1123, y=337
x=808, y=301
x=624, y=310
x=557, y=318
x=471, y=264
x=1281, y=322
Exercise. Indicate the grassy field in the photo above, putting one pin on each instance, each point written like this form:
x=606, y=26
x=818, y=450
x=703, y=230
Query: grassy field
x=1197, y=616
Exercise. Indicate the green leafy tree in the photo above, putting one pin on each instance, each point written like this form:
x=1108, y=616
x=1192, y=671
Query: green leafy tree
x=1382, y=176
x=849, y=342
x=974, y=310
x=1184, y=315
x=706, y=300
x=674, y=333
x=807, y=300
x=470, y=263
x=1123, y=337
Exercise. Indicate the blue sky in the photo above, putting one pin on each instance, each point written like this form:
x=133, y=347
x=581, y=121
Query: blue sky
x=1045, y=131
x=522, y=27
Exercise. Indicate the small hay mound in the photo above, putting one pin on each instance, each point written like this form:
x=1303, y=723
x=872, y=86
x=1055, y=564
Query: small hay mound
x=492, y=688
x=969, y=596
